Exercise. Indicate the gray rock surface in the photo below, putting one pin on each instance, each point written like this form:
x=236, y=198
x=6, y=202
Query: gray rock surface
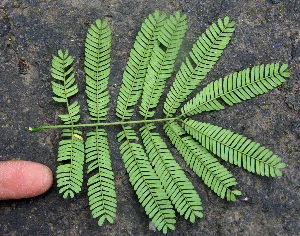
x=31, y=32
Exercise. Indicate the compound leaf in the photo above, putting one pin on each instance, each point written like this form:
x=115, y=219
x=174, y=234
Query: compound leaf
x=204, y=54
x=137, y=65
x=71, y=148
x=97, y=69
x=145, y=181
x=101, y=187
x=236, y=88
x=162, y=62
x=236, y=149
x=179, y=189
x=213, y=174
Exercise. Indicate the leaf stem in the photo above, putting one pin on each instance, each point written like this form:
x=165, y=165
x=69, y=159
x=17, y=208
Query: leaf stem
x=97, y=124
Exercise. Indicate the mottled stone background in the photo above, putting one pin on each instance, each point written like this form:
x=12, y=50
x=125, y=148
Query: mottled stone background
x=31, y=32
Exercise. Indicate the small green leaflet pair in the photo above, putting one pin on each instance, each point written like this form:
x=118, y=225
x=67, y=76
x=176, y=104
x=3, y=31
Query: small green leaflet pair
x=160, y=183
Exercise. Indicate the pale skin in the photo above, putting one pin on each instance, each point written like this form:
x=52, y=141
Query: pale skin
x=23, y=179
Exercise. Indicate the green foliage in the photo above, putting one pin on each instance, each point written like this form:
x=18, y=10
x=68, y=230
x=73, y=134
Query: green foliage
x=159, y=181
x=101, y=188
x=236, y=87
x=179, y=189
x=204, y=54
x=97, y=69
x=235, y=148
x=136, y=69
x=213, y=174
x=71, y=148
x=162, y=62
x=145, y=181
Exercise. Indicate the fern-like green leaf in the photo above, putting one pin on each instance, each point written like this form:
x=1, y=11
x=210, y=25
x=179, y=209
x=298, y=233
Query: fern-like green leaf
x=162, y=62
x=160, y=183
x=179, y=189
x=145, y=181
x=213, y=174
x=204, y=54
x=101, y=187
x=101, y=191
x=137, y=65
x=97, y=69
x=71, y=149
x=236, y=87
x=235, y=148
x=62, y=70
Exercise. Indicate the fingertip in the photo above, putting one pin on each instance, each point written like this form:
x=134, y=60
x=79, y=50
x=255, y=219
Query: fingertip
x=23, y=179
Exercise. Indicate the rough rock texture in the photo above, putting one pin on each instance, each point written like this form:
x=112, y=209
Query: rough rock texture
x=31, y=32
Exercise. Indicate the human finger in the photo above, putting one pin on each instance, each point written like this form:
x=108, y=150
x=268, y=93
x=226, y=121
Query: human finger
x=23, y=179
